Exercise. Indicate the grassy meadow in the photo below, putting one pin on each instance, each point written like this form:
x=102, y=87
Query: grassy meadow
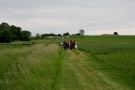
x=29, y=68
x=115, y=60
x=100, y=63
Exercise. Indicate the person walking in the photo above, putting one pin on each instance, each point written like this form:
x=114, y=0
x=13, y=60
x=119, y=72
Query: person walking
x=71, y=45
x=65, y=45
x=75, y=45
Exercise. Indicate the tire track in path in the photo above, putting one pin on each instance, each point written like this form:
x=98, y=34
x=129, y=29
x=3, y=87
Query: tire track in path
x=87, y=77
x=82, y=76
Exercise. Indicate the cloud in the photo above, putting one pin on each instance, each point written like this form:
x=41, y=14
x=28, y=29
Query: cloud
x=51, y=16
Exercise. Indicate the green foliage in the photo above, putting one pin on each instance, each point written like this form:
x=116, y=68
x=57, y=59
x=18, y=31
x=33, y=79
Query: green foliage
x=38, y=36
x=3, y=26
x=16, y=32
x=66, y=34
x=26, y=33
x=115, y=33
x=81, y=32
x=5, y=36
x=43, y=36
x=12, y=33
x=77, y=34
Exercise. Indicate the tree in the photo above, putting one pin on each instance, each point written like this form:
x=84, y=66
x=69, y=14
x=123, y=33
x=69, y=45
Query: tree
x=43, y=36
x=77, y=34
x=37, y=36
x=3, y=26
x=51, y=34
x=16, y=32
x=81, y=32
x=25, y=35
x=10, y=33
x=115, y=33
x=5, y=36
x=66, y=34
x=59, y=35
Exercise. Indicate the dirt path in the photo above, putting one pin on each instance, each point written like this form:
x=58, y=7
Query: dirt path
x=78, y=75
x=86, y=76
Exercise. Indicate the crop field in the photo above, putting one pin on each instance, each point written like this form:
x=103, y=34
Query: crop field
x=116, y=60
x=100, y=63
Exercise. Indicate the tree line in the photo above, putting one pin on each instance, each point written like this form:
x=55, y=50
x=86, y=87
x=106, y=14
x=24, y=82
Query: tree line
x=14, y=33
x=43, y=36
x=38, y=36
x=11, y=33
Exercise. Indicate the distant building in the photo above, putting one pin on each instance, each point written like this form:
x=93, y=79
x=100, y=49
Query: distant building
x=66, y=36
x=107, y=34
x=52, y=37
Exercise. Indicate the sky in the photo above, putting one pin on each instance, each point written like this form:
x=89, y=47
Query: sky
x=95, y=17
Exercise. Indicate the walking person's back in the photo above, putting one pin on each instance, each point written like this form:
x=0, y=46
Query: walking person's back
x=71, y=45
x=75, y=45
x=65, y=45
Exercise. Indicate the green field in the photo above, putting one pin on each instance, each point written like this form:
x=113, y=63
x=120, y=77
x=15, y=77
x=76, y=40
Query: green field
x=100, y=63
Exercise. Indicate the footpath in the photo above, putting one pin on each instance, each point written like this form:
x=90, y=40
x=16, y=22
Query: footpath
x=77, y=74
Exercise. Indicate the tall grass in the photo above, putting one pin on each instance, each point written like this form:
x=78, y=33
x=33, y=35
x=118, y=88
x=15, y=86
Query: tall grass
x=115, y=60
x=30, y=68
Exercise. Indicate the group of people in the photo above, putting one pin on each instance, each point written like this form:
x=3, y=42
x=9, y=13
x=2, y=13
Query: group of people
x=69, y=45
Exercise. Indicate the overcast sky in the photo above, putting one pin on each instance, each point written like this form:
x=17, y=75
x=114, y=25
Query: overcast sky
x=95, y=17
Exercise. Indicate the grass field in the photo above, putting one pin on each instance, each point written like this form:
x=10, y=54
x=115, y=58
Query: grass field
x=30, y=68
x=115, y=60
x=100, y=63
